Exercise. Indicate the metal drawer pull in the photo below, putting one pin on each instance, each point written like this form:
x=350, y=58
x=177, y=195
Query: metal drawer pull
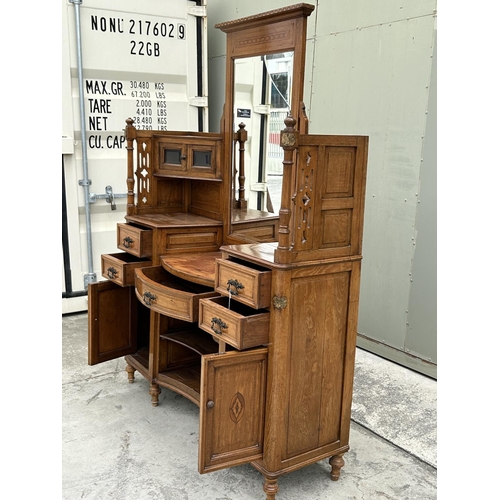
x=219, y=323
x=236, y=286
x=210, y=404
x=148, y=297
x=112, y=273
x=127, y=242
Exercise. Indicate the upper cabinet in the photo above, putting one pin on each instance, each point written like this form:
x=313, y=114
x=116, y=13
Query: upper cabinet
x=190, y=157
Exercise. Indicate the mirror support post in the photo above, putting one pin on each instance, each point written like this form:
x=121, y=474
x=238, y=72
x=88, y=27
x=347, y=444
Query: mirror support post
x=241, y=137
x=289, y=143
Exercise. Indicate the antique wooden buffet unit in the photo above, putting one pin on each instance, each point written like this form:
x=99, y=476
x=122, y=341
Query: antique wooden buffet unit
x=250, y=315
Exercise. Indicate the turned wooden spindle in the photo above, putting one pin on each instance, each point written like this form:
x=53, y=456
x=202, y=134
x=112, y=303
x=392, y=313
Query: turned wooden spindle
x=337, y=462
x=154, y=391
x=130, y=135
x=271, y=488
x=130, y=373
x=241, y=137
x=289, y=142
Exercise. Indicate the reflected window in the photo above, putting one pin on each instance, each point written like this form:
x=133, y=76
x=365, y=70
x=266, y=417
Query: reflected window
x=279, y=90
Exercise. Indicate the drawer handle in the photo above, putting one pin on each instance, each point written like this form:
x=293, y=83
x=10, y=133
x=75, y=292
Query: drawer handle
x=112, y=273
x=220, y=324
x=210, y=404
x=236, y=285
x=127, y=242
x=148, y=297
x=183, y=157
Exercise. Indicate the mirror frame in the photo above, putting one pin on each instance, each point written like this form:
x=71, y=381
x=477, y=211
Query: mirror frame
x=280, y=30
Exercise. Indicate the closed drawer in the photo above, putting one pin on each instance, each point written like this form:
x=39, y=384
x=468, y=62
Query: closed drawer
x=120, y=267
x=169, y=295
x=248, y=285
x=240, y=326
x=201, y=239
x=134, y=240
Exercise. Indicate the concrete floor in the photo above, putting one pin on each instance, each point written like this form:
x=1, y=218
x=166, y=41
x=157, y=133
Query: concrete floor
x=115, y=445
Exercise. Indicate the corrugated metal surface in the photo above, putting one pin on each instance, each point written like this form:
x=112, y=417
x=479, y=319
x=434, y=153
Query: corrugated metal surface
x=368, y=72
x=422, y=310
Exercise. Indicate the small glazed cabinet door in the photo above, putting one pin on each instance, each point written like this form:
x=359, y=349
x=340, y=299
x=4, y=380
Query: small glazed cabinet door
x=112, y=318
x=232, y=408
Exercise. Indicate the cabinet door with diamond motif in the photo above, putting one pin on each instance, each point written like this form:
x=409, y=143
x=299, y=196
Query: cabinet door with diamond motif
x=232, y=408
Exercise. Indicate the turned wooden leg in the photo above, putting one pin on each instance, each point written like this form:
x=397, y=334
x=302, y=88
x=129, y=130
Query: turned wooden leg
x=130, y=371
x=337, y=462
x=155, y=391
x=270, y=488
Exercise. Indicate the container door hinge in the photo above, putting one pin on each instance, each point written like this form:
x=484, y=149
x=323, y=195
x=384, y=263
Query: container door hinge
x=198, y=10
x=199, y=102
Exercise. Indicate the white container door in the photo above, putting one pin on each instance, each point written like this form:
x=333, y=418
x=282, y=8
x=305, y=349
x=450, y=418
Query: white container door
x=140, y=60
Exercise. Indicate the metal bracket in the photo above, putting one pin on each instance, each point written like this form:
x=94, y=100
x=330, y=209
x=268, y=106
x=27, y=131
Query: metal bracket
x=198, y=11
x=262, y=109
x=199, y=101
x=89, y=278
x=261, y=187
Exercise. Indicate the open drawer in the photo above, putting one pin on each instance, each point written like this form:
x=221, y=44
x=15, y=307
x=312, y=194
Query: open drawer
x=120, y=267
x=169, y=295
x=239, y=326
x=248, y=284
x=134, y=240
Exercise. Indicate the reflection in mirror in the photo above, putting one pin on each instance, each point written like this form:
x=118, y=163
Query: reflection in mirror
x=262, y=95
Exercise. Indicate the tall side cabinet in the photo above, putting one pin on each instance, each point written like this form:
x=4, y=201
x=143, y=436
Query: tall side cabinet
x=252, y=316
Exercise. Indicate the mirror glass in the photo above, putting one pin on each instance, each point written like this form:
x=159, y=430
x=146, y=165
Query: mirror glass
x=261, y=101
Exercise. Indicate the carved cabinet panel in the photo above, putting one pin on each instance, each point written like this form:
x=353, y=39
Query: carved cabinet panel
x=232, y=406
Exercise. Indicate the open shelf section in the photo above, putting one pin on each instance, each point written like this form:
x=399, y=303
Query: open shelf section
x=196, y=340
x=184, y=380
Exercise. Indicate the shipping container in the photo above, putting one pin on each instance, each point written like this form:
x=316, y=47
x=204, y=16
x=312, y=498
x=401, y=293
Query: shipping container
x=121, y=59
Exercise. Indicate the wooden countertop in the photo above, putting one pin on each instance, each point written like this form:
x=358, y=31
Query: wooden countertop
x=196, y=267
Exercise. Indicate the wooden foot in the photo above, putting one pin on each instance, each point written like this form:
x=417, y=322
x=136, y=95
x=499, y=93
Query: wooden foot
x=337, y=462
x=130, y=371
x=155, y=391
x=270, y=488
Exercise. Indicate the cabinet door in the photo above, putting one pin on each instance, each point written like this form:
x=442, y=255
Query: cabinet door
x=232, y=408
x=173, y=158
x=112, y=321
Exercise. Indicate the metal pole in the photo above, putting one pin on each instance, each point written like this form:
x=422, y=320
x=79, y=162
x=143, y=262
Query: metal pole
x=90, y=277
